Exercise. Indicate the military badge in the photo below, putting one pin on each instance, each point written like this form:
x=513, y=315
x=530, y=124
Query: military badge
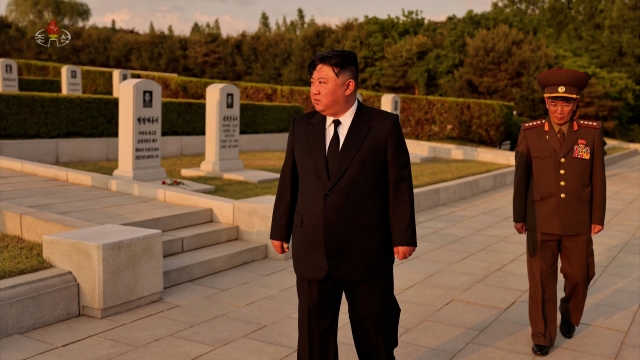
x=561, y=89
x=546, y=126
x=582, y=151
x=582, y=142
x=575, y=126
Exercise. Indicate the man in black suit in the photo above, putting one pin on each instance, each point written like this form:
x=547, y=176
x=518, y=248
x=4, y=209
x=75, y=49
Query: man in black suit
x=346, y=198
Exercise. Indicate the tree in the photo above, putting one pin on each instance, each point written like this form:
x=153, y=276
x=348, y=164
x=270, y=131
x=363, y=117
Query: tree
x=170, y=31
x=152, y=29
x=264, y=27
x=502, y=64
x=113, y=24
x=38, y=13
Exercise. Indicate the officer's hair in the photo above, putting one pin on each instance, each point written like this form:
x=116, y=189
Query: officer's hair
x=341, y=61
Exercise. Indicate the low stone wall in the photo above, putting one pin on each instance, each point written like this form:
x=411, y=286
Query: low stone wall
x=38, y=299
x=460, y=152
x=52, y=151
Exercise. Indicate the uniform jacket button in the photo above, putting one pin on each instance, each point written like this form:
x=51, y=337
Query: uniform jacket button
x=562, y=160
x=328, y=193
x=561, y=183
x=562, y=196
x=562, y=172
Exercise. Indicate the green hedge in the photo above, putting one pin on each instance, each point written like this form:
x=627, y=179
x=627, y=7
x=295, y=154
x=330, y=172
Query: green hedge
x=39, y=84
x=48, y=116
x=422, y=117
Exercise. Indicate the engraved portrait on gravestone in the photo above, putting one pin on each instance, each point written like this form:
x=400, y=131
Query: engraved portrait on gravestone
x=147, y=99
x=73, y=74
x=395, y=106
x=229, y=101
x=8, y=69
x=124, y=77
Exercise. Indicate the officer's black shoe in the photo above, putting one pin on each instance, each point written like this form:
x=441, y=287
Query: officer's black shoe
x=540, y=350
x=567, y=329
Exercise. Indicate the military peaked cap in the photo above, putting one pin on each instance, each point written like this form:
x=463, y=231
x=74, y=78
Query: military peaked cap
x=562, y=83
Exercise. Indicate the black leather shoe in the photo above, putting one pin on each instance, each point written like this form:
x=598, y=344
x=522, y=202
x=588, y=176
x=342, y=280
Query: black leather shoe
x=567, y=329
x=540, y=350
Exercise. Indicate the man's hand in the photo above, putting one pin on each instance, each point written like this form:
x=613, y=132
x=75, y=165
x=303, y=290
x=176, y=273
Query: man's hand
x=280, y=247
x=596, y=228
x=403, y=252
x=521, y=228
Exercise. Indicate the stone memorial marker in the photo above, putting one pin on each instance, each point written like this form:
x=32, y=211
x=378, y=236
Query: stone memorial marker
x=9, y=75
x=71, y=80
x=118, y=77
x=390, y=103
x=222, y=138
x=140, y=130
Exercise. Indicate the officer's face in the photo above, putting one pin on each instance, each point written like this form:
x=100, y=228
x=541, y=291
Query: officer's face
x=560, y=110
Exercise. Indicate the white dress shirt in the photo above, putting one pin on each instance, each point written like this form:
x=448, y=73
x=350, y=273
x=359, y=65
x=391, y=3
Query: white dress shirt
x=345, y=121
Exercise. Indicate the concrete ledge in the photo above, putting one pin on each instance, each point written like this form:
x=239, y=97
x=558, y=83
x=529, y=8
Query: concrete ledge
x=11, y=218
x=44, y=170
x=121, y=267
x=10, y=163
x=222, y=208
x=253, y=219
x=36, y=225
x=460, y=152
x=38, y=299
x=88, y=179
x=621, y=156
x=137, y=188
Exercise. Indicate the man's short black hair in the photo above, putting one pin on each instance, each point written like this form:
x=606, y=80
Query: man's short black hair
x=341, y=61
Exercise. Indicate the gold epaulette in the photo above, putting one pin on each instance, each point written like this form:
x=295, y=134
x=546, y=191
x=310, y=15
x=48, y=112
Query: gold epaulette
x=590, y=124
x=533, y=124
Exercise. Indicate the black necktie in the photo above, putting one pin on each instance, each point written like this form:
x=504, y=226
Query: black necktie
x=334, y=150
x=561, y=137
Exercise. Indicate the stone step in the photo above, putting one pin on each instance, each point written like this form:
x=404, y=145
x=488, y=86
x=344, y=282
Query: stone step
x=197, y=263
x=166, y=219
x=196, y=237
x=420, y=158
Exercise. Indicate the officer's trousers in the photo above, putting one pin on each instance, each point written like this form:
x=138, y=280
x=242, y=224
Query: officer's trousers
x=578, y=269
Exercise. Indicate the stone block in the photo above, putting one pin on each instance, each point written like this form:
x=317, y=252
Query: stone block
x=171, y=146
x=35, y=225
x=426, y=198
x=171, y=245
x=35, y=300
x=82, y=150
x=43, y=151
x=204, y=235
x=253, y=218
x=222, y=208
x=263, y=142
x=122, y=265
x=137, y=188
x=193, y=145
x=11, y=218
x=10, y=163
x=44, y=170
x=88, y=179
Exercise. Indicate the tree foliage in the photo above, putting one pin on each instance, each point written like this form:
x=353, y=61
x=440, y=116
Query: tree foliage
x=494, y=55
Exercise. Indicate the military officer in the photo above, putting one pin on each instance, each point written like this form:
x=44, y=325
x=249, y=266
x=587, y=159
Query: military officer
x=559, y=202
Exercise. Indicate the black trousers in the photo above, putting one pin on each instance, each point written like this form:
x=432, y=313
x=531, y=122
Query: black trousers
x=373, y=311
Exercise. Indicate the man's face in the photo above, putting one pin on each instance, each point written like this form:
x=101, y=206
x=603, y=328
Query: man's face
x=329, y=93
x=560, y=110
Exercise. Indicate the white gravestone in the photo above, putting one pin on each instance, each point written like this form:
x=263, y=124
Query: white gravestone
x=71, y=80
x=9, y=72
x=118, y=77
x=222, y=138
x=390, y=103
x=140, y=131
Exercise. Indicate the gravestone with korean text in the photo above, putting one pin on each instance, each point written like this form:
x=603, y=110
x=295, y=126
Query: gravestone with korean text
x=71, y=77
x=118, y=77
x=140, y=130
x=222, y=141
x=9, y=73
x=390, y=103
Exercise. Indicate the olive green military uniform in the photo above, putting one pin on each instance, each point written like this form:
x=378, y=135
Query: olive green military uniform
x=559, y=192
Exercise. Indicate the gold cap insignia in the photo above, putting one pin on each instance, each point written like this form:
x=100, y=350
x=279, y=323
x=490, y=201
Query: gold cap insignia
x=561, y=89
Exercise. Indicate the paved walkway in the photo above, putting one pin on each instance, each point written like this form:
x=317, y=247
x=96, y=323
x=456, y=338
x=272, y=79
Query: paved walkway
x=463, y=296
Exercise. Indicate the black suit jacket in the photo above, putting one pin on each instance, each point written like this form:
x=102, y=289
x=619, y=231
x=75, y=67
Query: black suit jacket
x=349, y=225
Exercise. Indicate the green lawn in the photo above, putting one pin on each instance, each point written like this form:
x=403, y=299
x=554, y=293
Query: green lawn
x=433, y=172
x=18, y=257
